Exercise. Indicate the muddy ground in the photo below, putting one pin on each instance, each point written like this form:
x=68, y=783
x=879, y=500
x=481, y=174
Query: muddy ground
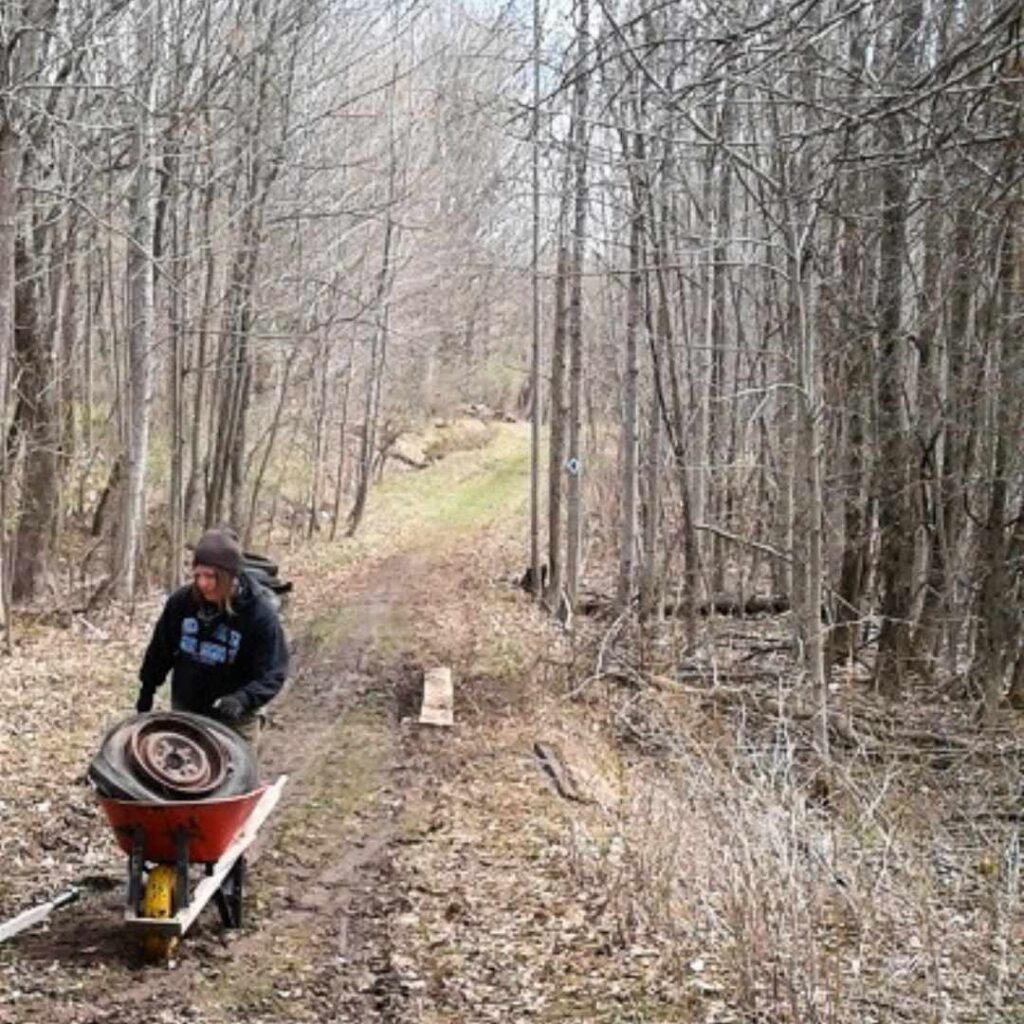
x=320, y=890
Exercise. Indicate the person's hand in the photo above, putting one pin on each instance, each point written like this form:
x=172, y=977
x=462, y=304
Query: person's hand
x=229, y=708
x=144, y=703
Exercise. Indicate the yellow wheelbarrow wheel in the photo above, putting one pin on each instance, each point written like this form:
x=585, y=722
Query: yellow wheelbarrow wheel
x=158, y=902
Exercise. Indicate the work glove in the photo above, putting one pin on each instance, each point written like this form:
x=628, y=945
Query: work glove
x=229, y=708
x=144, y=703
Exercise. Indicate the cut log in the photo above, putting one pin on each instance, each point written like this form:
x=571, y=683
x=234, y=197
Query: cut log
x=438, y=697
x=594, y=604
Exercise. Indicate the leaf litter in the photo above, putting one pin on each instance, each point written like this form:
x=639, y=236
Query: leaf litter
x=702, y=876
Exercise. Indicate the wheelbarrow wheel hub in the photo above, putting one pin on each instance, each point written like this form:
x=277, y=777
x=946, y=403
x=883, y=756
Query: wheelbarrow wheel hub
x=185, y=758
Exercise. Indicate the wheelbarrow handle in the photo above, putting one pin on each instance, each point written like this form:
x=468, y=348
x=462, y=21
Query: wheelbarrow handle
x=27, y=918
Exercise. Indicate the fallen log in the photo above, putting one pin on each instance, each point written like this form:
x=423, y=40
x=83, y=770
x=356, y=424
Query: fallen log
x=756, y=604
x=592, y=603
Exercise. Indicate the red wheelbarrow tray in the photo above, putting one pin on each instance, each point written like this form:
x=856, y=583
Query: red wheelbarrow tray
x=210, y=824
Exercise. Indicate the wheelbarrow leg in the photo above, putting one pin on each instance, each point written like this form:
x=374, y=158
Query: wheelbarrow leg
x=135, y=868
x=229, y=895
x=181, y=865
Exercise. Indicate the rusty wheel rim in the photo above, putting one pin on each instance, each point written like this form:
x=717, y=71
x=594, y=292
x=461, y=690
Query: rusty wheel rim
x=177, y=756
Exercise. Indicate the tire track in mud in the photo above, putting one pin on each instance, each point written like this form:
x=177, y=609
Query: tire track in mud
x=321, y=939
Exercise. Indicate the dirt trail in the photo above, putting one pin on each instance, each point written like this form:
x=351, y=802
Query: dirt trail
x=312, y=947
x=409, y=874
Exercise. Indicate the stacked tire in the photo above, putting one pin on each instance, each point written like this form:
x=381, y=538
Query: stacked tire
x=265, y=574
x=173, y=756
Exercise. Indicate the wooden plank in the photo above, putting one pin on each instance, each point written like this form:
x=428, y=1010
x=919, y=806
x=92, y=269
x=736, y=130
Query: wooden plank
x=204, y=891
x=438, y=697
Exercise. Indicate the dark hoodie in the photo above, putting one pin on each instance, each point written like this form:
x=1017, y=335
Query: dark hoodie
x=213, y=653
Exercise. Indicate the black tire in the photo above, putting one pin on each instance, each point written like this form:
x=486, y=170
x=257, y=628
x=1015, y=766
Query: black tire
x=250, y=560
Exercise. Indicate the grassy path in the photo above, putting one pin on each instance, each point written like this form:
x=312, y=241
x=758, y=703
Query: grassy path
x=360, y=606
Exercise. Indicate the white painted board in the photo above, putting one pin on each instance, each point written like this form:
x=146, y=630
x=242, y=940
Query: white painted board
x=438, y=697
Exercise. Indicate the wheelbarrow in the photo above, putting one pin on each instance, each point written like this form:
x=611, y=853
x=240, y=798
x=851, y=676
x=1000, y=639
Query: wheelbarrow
x=164, y=840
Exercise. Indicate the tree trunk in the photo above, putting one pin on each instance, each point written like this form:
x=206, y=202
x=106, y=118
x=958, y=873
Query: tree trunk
x=853, y=364
x=536, y=399
x=339, y=483
x=629, y=440
x=719, y=176
x=10, y=165
x=998, y=615
x=371, y=405
x=37, y=414
x=382, y=310
x=580, y=149
x=895, y=525
x=200, y=369
x=257, y=484
x=810, y=456
x=650, y=589
x=557, y=400
x=140, y=327
x=322, y=369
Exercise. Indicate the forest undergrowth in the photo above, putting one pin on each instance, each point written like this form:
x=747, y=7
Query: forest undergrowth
x=879, y=884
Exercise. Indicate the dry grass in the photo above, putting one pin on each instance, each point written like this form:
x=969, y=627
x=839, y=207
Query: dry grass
x=881, y=886
x=449, y=436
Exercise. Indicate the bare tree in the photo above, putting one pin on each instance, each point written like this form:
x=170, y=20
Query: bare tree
x=574, y=321
x=140, y=313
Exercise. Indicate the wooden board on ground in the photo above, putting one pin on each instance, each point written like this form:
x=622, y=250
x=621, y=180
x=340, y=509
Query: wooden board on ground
x=438, y=697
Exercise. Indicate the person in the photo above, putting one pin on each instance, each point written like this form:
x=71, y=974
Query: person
x=220, y=638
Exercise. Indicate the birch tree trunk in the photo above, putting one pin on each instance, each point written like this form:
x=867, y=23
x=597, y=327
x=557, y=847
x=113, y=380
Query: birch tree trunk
x=140, y=314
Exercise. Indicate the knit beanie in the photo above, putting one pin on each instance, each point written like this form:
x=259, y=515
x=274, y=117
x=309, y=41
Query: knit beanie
x=219, y=548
